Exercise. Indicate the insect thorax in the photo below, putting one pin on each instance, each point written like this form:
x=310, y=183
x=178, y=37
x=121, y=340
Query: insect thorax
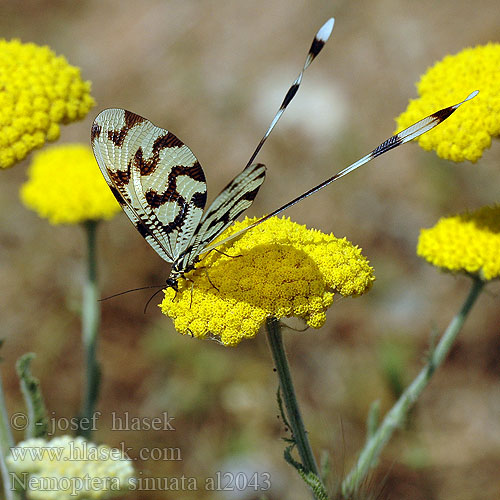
x=176, y=272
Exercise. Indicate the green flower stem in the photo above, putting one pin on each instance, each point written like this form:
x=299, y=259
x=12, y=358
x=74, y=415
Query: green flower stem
x=288, y=393
x=6, y=442
x=90, y=328
x=399, y=412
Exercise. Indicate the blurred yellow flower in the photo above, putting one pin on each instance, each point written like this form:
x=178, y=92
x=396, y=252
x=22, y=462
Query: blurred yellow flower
x=39, y=90
x=281, y=269
x=70, y=468
x=468, y=133
x=468, y=243
x=66, y=186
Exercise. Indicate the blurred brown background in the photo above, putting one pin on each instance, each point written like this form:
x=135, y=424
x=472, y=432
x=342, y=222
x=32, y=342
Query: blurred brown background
x=214, y=73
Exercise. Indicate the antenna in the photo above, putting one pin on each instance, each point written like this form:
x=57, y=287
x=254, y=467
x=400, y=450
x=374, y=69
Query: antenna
x=131, y=290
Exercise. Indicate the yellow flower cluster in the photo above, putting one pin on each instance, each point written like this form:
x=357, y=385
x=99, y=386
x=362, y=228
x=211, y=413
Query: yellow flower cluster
x=70, y=468
x=66, y=186
x=468, y=242
x=466, y=134
x=39, y=90
x=277, y=269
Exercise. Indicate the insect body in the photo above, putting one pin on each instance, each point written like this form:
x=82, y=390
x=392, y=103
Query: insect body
x=161, y=186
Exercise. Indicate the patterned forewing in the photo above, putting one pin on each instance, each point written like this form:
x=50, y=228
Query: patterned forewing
x=173, y=184
x=232, y=201
x=154, y=176
x=107, y=145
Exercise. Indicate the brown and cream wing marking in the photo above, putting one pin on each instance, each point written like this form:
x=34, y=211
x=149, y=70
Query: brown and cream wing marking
x=153, y=175
x=231, y=202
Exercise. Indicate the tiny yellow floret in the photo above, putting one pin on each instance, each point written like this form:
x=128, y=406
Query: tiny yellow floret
x=66, y=468
x=277, y=269
x=66, y=186
x=466, y=134
x=39, y=91
x=467, y=243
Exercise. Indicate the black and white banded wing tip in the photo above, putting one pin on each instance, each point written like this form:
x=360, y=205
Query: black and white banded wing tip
x=317, y=44
x=444, y=113
x=326, y=30
x=319, y=41
x=406, y=135
x=428, y=123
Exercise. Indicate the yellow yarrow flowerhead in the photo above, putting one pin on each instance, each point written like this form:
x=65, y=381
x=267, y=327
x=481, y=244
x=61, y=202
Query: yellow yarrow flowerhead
x=281, y=269
x=66, y=186
x=467, y=243
x=70, y=468
x=39, y=90
x=466, y=134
